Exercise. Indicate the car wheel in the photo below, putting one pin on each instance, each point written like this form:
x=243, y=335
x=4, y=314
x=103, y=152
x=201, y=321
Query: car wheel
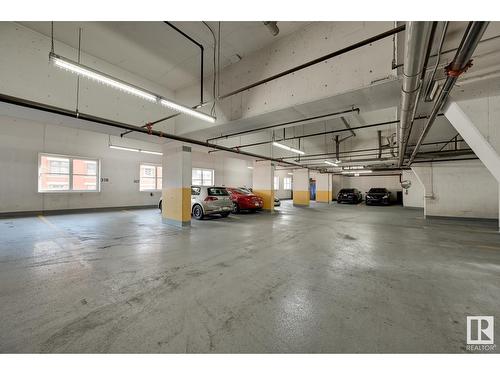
x=224, y=214
x=236, y=208
x=197, y=212
x=160, y=205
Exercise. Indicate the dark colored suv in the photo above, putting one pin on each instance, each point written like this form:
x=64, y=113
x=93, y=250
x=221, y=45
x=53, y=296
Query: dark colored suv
x=349, y=196
x=378, y=196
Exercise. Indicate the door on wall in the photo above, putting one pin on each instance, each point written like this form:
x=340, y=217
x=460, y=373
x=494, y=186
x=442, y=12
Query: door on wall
x=312, y=189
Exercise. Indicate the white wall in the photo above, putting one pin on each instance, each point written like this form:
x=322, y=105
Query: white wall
x=21, y=140
x=459, y=189
x=282, y=193
x=414, y=196
x=230, y=172
x=365, y=183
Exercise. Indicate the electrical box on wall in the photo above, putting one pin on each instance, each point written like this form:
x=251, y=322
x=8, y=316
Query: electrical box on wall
x=136, y=181
x=104, y=179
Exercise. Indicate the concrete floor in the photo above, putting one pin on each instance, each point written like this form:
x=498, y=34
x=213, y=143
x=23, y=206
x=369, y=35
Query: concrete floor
x=320, y=279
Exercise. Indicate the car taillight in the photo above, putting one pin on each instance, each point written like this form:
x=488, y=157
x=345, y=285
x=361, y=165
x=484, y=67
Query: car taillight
x=208, y=199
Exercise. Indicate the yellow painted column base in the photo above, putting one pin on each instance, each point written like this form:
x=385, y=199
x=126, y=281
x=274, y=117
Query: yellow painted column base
x=301, y=198
x=176, y=206
x=323, y=196
x=268, y=198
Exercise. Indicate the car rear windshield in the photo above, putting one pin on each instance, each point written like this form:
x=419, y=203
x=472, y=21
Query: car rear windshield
x=217, y=191
x=378, y=190
x=347, y=191
x=240, y=191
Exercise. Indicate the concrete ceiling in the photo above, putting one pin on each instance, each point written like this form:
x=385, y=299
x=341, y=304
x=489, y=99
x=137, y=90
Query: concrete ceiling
x=155, y=51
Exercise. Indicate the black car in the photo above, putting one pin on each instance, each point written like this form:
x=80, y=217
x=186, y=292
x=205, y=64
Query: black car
x=378, y=196
x=349, y=196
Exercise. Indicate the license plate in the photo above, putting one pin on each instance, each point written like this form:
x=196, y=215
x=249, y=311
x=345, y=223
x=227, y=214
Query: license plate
x=226, y=208
x=257, y=204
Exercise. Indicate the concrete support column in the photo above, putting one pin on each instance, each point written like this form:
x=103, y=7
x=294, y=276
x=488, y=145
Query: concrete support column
x=263, y=183
x=324, y=187
x=471, y=134
x=424, y=176
x=301, y=195
x=176, y=193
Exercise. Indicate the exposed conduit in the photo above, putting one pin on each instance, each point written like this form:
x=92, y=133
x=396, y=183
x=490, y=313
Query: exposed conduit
x=339, y=52
x=120, y=125
x=461, y=62
x=417, y=40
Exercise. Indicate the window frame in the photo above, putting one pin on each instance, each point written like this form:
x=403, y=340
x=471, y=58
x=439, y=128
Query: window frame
x=155, y=178
x=70, y=174
x=202, y=170
x=276, y=183
x=285, y=179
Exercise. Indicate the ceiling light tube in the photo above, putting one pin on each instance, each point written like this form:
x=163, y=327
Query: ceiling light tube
x=90, y=73
x=188, y=111
x=250, y=167
x=357, y=171
x=124, y=148
x=151, y=152
x=330, y=163
x=116, y=83
x=285, y=147
x=135, y=150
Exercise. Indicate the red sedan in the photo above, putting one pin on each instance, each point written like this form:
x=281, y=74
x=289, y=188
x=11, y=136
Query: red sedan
x=244, y=200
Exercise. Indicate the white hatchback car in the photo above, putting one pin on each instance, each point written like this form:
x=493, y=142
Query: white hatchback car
x=209, y=200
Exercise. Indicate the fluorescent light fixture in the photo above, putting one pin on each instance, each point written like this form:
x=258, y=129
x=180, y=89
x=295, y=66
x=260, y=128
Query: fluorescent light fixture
x=135, y=150
x=291, y=174
x=124, y=148
x=330, y=163
x=116, y=83
x=151, y=152
x=285, y=147
x=352, y=167
x=188, y=111
x=250, y=167
x=90, y=73
x=355, y=171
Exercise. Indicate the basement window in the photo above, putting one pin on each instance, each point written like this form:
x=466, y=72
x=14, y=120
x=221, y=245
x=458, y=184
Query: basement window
x=60, y=173
x=203, y=177
x=276, y=183
x=287, y=183
x=150, y=177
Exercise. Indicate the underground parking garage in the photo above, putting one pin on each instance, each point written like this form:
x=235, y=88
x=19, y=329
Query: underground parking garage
x=249, y=187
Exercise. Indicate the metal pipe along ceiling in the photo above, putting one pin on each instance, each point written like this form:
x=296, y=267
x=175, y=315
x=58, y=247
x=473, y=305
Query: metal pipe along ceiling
x=120, y=125
x=417, y=40
x=351, y=128
x=292, y=122
x=202, y=50
x=459, y=64
x=339, y=52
